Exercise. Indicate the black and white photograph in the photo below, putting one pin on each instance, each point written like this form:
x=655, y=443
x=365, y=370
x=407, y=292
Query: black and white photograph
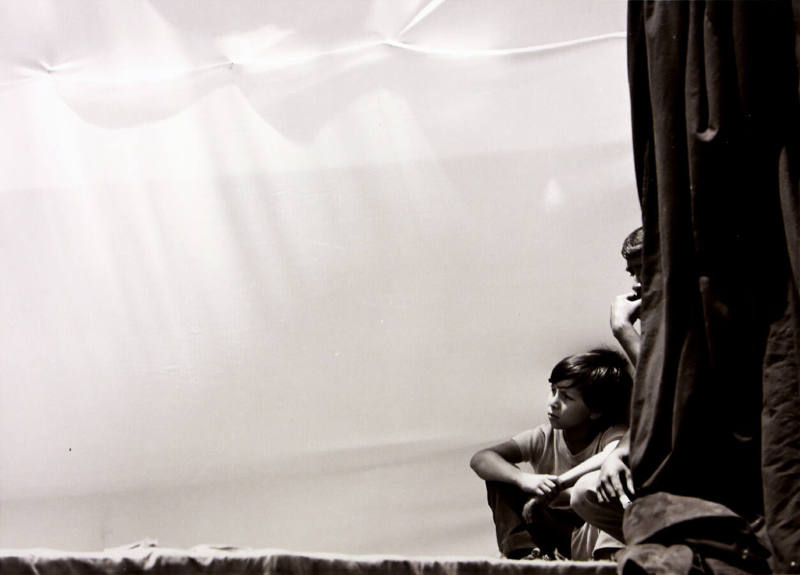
x=362, y=287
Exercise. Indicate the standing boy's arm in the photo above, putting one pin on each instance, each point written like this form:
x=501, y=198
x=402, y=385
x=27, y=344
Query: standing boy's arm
x=615, y=481
x=624, y=313
x=496, y=463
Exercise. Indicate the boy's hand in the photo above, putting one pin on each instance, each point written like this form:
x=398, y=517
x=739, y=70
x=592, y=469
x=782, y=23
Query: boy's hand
x=541, y=499
x=615, y=481
x=545, y=486
x=625, y=311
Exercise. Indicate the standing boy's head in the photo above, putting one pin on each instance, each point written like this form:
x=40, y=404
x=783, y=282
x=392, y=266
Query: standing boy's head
x=592, y=387
x=632, y=252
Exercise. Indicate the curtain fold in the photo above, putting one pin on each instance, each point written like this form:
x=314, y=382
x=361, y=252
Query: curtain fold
x=714, y=112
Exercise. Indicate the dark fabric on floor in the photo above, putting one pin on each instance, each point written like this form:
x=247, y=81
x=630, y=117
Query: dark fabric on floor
x=714, y=97
x=675, y=534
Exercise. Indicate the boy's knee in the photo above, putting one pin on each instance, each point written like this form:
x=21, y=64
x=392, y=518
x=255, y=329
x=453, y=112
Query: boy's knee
x=584, y=493
x=585, y=503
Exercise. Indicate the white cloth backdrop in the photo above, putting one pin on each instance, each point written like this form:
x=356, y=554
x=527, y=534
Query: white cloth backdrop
x=273, y=270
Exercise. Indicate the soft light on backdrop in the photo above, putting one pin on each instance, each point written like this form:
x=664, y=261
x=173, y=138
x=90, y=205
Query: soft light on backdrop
x=274, y=270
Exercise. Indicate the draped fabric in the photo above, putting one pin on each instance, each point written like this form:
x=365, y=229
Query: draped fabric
x=674, y=534
x=714, y=113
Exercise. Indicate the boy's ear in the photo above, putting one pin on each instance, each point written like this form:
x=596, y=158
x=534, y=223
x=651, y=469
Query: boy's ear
x=595, y=415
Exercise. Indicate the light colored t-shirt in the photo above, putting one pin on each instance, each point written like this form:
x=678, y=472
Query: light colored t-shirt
x=547, y=452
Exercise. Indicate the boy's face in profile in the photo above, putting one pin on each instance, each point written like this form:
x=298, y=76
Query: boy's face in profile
x=634, y=268
x=565, y=408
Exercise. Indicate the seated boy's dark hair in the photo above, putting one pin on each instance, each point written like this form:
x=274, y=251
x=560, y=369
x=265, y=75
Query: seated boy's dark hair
x=632, y=246
x=601, y=375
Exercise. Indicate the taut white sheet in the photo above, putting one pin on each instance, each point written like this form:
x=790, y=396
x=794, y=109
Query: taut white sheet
x=274, y=270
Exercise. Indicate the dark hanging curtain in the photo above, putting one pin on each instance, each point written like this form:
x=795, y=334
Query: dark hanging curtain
x=716, y=408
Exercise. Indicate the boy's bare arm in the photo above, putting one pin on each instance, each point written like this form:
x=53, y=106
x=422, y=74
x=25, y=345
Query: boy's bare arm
x=569, y=477
x=497, y=463
x=624, y=313
x=615, y=481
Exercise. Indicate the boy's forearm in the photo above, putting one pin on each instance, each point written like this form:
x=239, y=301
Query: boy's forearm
x=568, y=478
x=630, y=340
x=491, y=466
x=624, y=445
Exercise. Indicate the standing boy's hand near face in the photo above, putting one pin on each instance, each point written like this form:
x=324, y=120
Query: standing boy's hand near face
x=624, y=313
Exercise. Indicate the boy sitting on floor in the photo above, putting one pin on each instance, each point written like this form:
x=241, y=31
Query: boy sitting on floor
x=587, y=413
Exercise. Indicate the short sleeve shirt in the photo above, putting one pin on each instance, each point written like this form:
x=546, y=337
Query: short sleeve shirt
x=547, y=452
